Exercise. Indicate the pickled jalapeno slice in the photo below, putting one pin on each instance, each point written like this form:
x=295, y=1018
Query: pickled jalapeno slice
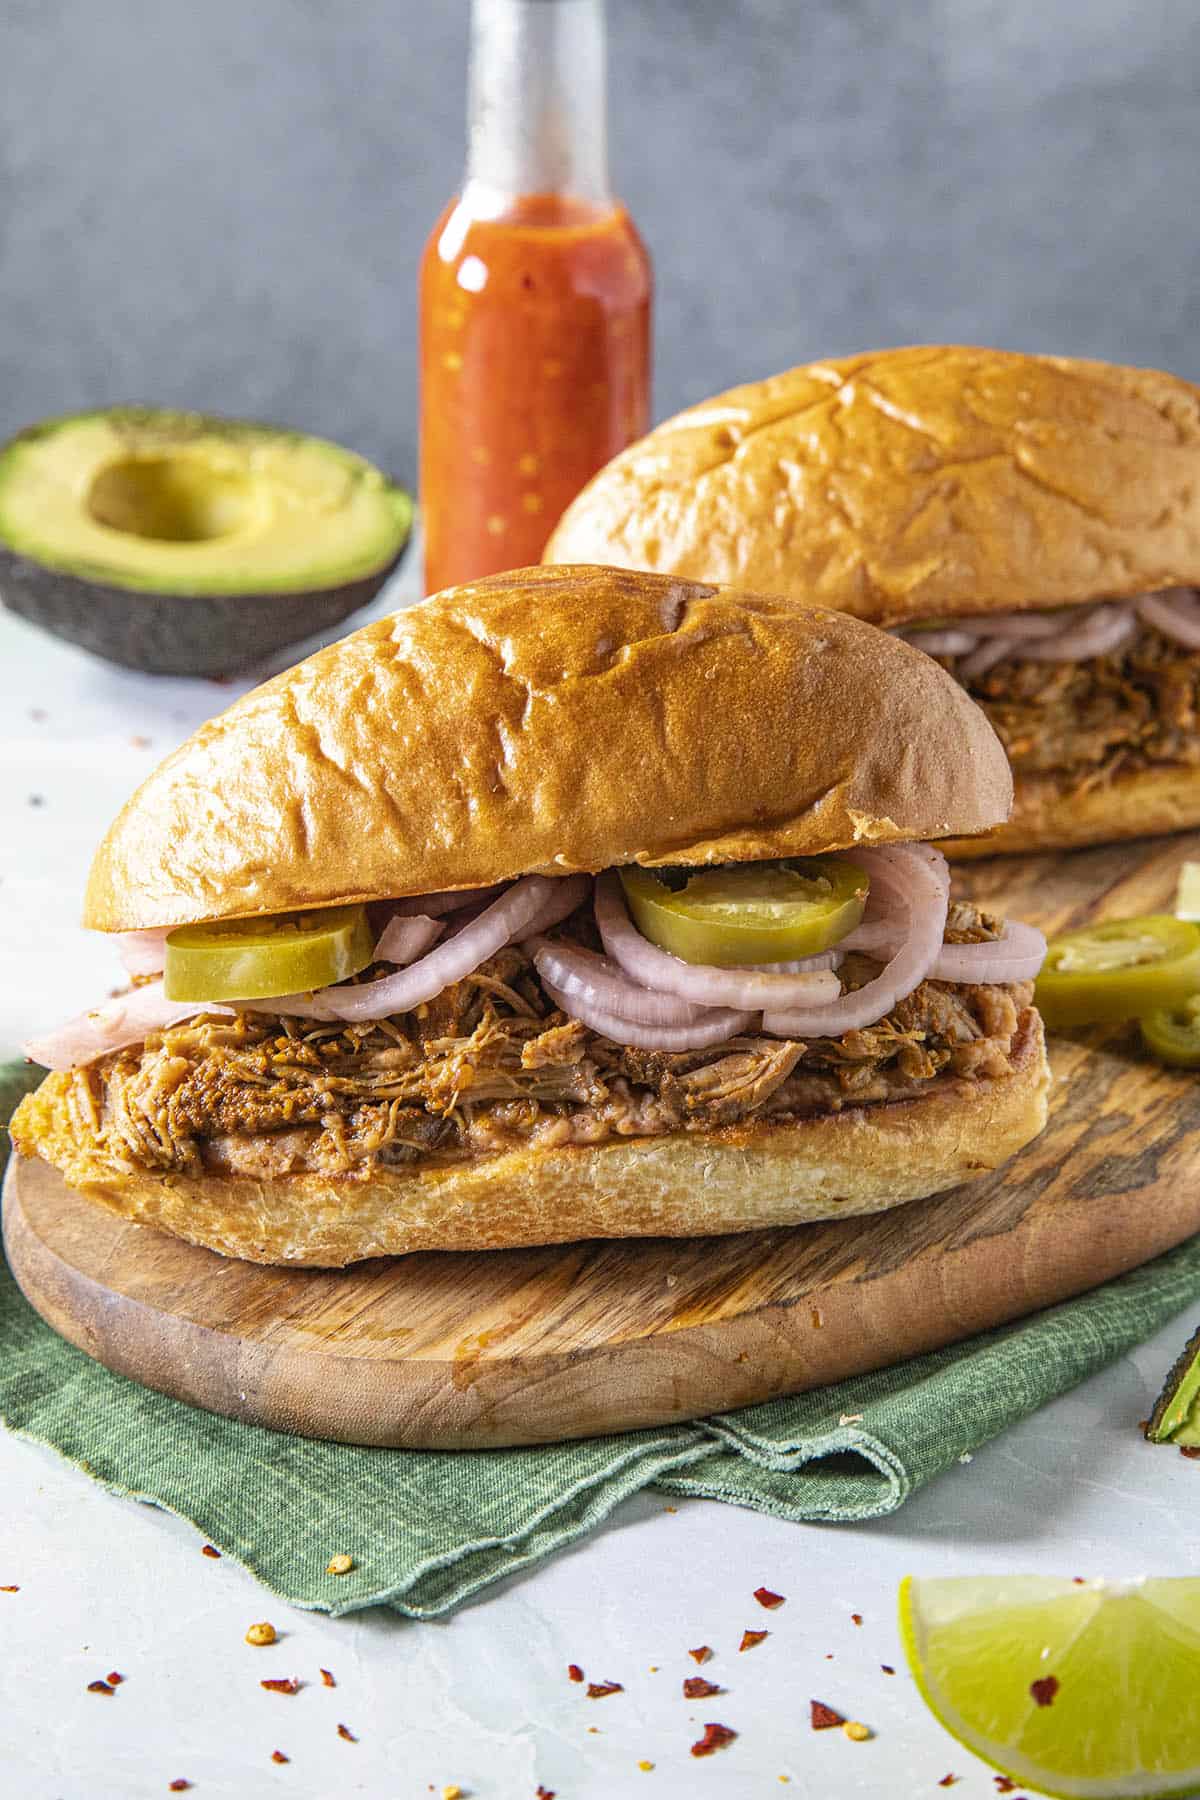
x=748, y=913
x=257, y=959
x=1124, y=969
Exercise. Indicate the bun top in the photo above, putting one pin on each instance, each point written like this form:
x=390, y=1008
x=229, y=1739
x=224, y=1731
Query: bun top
x=547, y=721
x=920, y=483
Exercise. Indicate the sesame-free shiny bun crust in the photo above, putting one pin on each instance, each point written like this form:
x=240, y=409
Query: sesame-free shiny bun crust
x=929, y=482
x=546, y=721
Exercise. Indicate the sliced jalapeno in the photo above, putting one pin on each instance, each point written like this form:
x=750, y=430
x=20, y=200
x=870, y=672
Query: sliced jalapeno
x=1121, y=970
x=748, y=913
x=254, y=959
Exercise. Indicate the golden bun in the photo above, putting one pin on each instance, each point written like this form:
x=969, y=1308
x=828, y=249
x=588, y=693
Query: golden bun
x=1049, y=812
x=740, y=1178
x=929, y=482
x=547, y=721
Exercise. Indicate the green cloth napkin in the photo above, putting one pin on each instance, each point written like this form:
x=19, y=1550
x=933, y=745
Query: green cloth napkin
x=428, y=1529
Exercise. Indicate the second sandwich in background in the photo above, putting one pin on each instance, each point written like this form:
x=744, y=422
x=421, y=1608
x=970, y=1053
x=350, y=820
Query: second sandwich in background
x=1032, y=522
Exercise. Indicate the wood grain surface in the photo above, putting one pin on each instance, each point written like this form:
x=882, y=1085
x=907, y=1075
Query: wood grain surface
x=531, y=1346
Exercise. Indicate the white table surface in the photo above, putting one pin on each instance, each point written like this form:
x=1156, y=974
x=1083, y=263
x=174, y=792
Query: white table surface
x=483, y=1699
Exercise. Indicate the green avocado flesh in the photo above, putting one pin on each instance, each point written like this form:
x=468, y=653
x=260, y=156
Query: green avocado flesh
x=1176, y=1415
x=179, y=503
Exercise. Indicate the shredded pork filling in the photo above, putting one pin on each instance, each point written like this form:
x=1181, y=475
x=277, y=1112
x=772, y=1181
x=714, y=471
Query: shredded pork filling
x=1097, y=717
x=491, y=1063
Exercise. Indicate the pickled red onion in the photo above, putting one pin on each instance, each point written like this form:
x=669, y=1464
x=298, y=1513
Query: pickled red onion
x=143, y=952
x=588, y=979
x=126, y=1020
x=1176, y=613
x=1017, y=955
x=404, y=939
x=920, y=874
x=718, y=1024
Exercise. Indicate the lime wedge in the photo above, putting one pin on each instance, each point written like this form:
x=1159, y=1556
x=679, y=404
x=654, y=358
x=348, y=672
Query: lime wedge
x=1086, y=1691
x=1176, y=1415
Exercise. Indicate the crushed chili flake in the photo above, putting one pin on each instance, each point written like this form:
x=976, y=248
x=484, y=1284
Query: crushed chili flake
x=1192, y=1450
x=574, y=1672
x=282, y=1684
x=1079, y=1581
x=178, y=1786
x=701, y=1654
x=696, y=1688
x=279, y=1757
x=100, y=1687
x=715, y=1738
x=209, y=1550
x=948, y=1780
x=856, y=1731
x=341, y=1564
x=114, y=1678
x=1044, y=1690
x=327, y=1678
x=823, y=1717
x=597, y=1690
x=766, y=1598
x=1004, y=1784
x=856, y=1618
x=887, y=1668
x=645, y=1765
x=750, y=1638
x=9, y=1590
x=543, y=1793
x=261, y=1634
x=344, y=1731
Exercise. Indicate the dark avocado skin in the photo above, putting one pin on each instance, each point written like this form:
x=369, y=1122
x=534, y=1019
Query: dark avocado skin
x=171, y=634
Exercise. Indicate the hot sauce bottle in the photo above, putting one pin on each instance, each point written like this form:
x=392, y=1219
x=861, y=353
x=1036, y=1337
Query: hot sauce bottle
x=535, y=296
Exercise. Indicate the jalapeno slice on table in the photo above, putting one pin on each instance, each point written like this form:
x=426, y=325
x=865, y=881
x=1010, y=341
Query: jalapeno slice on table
x=1125, y=969
x=255, y=959
x=1173, y=1035
x=748, y=913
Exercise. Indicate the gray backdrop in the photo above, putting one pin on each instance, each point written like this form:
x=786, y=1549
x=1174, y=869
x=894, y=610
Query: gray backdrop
x=220, y=203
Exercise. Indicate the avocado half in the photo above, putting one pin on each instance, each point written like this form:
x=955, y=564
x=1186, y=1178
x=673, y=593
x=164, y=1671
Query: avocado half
x=183, y=544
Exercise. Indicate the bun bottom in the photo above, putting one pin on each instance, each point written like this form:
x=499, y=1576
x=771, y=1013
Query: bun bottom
x=690, y=1184
x=1050, y=813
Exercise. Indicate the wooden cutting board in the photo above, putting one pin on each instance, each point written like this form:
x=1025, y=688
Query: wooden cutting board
x=531, y=1346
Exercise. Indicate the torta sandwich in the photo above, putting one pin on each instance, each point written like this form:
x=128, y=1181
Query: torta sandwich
x=1033, y=522
x=571, y=904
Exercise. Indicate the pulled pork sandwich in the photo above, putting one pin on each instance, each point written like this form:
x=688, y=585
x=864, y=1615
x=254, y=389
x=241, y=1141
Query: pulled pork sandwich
x=1032, y=522
x=572, y=904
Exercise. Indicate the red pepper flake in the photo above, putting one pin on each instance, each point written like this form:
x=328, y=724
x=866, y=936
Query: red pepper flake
x=282, y=1684
x=210, y=1550
x=344, y=1731
x=597, y=1690
x=9, y=1590
x=114, y=1678
x=100, y=1687
x=750, y=1638
x=696, y=1688
x=887, y=1668
x=278, y=1756
x=574, y=1672
x=1044, y=1690
x=766, y=1598
x=856, y=1618
x=948, y=1780
x=1192, y=1450
x=715, y=1738
x=1004, y=1784
x=327, y=1678
x=1079, y=1581
x=701, y=1654
x=178, y=1786
x=543, y=1793
x=823, y=1717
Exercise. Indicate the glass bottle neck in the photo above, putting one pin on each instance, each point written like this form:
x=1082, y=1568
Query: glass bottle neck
x=537, y=109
